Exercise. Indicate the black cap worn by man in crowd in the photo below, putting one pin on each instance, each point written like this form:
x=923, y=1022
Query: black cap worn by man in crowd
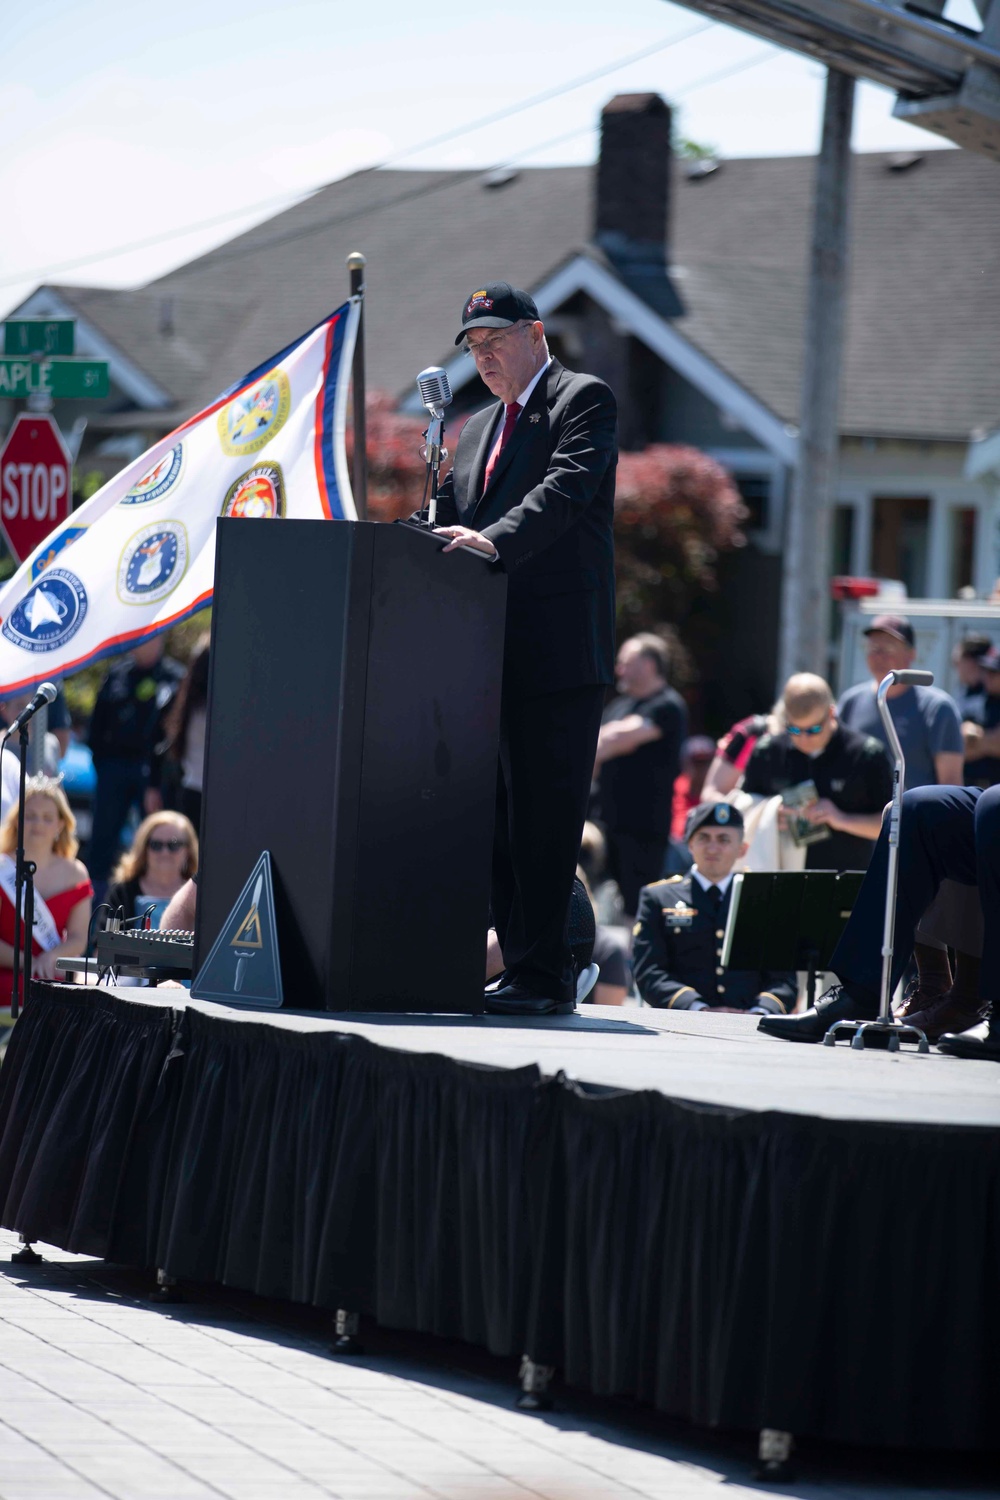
x=497, y=305
x=894, y=625
x=712, y=815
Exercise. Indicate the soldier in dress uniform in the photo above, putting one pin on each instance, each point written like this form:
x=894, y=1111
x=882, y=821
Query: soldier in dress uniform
x=680, y=924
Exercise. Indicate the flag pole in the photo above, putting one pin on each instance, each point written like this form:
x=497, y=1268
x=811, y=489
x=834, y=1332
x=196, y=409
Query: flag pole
x=359, y=478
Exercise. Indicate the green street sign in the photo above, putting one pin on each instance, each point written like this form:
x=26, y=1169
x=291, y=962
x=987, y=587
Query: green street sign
x=62, y=379
x=78, y=379
x=38, y=336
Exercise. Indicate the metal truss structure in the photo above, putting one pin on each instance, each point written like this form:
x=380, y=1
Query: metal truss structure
x=946, y=76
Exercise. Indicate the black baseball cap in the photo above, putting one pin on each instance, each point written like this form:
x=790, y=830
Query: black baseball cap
x=496, y=304
x=894, y=625
x=713, y=815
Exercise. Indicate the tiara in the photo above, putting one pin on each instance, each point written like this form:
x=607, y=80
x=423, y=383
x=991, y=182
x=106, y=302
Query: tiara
x=41, y=783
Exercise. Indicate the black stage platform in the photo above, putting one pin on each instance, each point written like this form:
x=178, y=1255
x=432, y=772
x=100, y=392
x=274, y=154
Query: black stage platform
x=741, y=1232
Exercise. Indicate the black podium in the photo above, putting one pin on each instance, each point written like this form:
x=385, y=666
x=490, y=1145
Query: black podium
x=353, y=724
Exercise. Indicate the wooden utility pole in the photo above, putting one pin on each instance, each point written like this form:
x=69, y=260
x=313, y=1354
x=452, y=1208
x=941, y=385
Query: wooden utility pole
x=805, y=602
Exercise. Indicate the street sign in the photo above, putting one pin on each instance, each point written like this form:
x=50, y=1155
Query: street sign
x=35, y=494
x=73, y=379
x=62, y=379
x=39, y=336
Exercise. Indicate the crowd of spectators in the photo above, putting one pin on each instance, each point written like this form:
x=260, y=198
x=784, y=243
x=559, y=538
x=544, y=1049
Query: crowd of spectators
x=146, y=738
x=801, y=785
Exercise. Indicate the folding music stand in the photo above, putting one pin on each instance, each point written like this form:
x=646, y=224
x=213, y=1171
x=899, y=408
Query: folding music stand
x=788, y=919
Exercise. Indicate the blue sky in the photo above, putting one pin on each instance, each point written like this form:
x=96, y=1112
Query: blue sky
x=129, y=122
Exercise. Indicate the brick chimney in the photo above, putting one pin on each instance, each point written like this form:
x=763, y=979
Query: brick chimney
x=631, y=212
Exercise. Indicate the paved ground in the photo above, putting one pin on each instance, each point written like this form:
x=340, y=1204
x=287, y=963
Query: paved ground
x=228, y=1396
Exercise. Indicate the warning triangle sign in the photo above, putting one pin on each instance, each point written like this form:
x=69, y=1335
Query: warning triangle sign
x=244, y=966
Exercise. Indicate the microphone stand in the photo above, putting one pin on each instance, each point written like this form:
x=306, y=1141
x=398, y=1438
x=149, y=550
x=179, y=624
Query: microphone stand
x=24, y=870
x=434, y=453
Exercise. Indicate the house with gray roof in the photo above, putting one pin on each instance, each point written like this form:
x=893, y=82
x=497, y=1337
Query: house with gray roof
x=683, y=284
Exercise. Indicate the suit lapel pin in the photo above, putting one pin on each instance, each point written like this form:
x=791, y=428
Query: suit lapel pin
x=535, y=417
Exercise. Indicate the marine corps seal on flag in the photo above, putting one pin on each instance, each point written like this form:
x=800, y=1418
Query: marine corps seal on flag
x=259, y=494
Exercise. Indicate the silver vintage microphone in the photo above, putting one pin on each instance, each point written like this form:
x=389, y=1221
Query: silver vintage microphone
x=435, y=393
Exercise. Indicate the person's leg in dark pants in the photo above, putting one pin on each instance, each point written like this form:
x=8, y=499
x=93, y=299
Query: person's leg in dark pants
x=987, y=837
x=936, y=841
x=988, y=872
x=547, y=751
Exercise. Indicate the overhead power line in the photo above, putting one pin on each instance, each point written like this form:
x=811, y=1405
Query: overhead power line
x=288, y=200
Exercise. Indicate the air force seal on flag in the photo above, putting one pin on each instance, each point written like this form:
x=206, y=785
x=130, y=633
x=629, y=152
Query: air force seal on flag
x=153, y=563
x=157, y=481
x=253, y=418
x=50, y=612
x=259, y=494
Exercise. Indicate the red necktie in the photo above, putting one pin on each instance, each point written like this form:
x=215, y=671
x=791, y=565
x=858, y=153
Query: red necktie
x=511, y=415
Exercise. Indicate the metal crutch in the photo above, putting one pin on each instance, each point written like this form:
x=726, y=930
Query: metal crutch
x=896, y=1031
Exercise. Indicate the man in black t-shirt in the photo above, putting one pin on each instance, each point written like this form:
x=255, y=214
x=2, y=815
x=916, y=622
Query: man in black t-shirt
x=125, y=726
x=638, y=757
x=981, y=725
x=852, y=774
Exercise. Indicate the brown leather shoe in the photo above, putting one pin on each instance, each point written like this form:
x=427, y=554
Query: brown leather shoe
x=948, y=1014
x=920, y=996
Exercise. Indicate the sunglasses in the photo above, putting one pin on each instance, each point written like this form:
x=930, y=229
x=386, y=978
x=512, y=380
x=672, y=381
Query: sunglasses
x=158, y=845
x=811, y=729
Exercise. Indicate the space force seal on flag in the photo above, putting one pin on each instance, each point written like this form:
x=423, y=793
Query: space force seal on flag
x=139, y=556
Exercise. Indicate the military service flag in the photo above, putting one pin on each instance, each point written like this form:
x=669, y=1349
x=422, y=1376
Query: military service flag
x=140, y=554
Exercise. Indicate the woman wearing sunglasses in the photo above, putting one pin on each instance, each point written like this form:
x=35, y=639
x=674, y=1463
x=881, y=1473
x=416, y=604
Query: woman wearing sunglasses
x=163, y=856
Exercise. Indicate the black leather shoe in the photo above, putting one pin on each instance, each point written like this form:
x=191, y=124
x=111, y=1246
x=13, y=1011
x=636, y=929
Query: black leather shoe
x=516, y=999
x=983, y=1042
x=812, y=1025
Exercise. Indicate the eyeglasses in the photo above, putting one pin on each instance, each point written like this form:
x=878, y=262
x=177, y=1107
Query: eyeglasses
x=158, y=845
x=809, y=729
x=486, y=346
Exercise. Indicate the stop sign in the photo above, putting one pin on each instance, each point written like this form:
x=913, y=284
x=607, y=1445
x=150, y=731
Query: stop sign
x=34, y=483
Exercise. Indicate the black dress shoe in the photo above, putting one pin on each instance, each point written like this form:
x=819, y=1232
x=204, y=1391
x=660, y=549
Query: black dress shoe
x=516, y=999
x=983, y=1042
x=813, y=1025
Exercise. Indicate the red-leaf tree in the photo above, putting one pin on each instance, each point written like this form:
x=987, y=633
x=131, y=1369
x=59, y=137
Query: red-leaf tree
x=676, y=509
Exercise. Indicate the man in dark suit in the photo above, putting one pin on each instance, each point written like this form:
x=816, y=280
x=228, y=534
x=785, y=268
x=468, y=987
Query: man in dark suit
x=533, y=486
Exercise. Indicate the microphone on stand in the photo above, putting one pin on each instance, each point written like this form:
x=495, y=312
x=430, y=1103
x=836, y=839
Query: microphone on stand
x=24, y=869
x=435, y=393
x=435, y=389
x=46, y=694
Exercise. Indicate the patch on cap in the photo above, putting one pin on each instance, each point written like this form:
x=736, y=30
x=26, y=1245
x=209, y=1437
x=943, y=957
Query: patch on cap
x=713, y=815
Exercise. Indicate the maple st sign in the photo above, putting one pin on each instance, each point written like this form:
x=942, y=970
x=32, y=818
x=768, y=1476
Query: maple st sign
x=36, y=470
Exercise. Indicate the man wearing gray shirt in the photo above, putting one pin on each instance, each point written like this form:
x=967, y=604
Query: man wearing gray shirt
x=926, y=719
